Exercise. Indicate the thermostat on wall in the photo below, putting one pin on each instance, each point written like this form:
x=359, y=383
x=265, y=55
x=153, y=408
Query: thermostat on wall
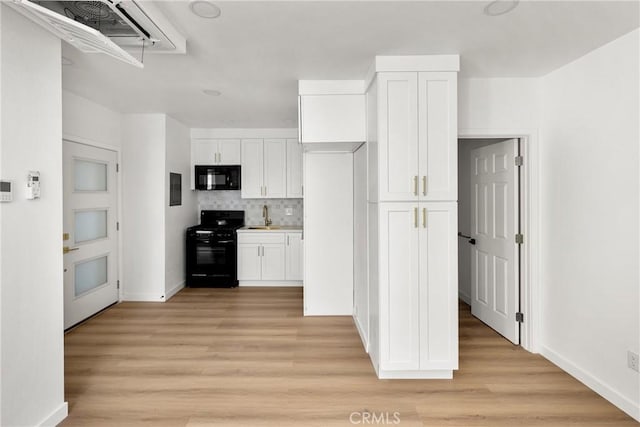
x=33, y=185
x=6, y=191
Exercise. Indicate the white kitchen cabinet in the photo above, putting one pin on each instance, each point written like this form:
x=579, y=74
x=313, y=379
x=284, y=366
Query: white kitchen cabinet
x=264, y=168
x=332, y=118
x=294, y=169
x=215, y=152
x=261, y=256
x=417, y=133
x=418, y=276
x=275, y=168
x=294, y=256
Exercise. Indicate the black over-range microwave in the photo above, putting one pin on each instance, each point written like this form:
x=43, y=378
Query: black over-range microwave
x=217, y=177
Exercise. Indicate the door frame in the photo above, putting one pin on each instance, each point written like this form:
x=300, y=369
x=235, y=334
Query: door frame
x=530, y=227
x=118, y=151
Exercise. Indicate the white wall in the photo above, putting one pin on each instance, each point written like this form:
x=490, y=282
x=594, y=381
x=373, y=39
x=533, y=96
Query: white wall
x=143, y=230
x=498, y=104
x=360, y=244
x=590, y=196
x=178, y=218
x=85, y=120
x=32, y=368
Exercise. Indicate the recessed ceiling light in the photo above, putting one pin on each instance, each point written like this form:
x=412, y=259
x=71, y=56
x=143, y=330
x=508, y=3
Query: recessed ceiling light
x=212, y=92
x=66, y=61
x=204, y=9
x=500, y=7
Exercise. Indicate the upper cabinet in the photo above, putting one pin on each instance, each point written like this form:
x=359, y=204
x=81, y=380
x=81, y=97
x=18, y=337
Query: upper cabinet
x=215, y=152
x=417, y=136
x=264, y=168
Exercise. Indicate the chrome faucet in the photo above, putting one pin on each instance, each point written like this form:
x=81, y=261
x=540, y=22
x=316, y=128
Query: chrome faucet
x=265, y=215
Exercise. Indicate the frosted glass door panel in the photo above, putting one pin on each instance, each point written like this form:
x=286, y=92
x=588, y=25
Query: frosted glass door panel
x=90, y=225
x=89, y=176
x=90, y=275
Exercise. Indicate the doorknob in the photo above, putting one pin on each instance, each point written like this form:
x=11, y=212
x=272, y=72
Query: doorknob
x=67, y=249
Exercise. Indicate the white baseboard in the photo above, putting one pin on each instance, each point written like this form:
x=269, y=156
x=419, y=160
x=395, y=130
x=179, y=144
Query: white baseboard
x=600, y=387
x=409, y=375
x=464, y=297
x=56, y=416
x=177, y=288
x=272, y=283
x=363, y=337
x=142, y=297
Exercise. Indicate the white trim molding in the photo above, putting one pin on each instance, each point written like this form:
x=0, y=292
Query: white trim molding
x=600, y=387
x=177, y=288
x=56, y=417
x=271, y=283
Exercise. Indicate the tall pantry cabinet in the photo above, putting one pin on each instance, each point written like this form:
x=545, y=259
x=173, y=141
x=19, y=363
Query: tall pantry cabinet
x=412, y=216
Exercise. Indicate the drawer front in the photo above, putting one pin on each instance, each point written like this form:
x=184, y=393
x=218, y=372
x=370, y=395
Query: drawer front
x=261, y=237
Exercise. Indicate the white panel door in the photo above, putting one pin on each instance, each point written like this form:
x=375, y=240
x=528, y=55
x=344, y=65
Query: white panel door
x=294, y=256
x=249, y=261
x=91, y=242
x=294, y=169
x=438, y=286
x=273, y=261
x=252, y=168
x=438, y=136
x=494, y=259
x=398, y=136
x=204, y=152
x=275, y=168
x=229, y=152
x=399, y=286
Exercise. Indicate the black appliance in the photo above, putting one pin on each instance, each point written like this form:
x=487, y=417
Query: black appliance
x=212, y=250
x=217, y=177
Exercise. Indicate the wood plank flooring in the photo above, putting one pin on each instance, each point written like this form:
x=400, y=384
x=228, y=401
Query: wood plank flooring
x=247, y=357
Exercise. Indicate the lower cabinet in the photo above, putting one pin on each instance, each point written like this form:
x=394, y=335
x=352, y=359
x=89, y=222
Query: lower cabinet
x=418, y=273
x=269, y=256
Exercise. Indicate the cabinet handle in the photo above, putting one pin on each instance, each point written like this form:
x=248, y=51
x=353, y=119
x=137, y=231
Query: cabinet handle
x=424, y=217
x=287, y=240
x=415, y=185
x=258, y=250
x=219, y=158
x=415, y=217
x=424, y=185
x=265, y=190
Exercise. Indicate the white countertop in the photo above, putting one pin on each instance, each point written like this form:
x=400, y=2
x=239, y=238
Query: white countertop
x=279, y=228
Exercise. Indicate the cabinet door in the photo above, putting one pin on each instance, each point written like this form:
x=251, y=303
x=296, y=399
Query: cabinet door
x=438, y=136
x=203, y=151
x=399, y=281
x=249, y=261
x=229, y=151
x=272, y=261
x=398, y=136
x=294, y=256
x=252, y=168
x=294, y=169
x=438, y=286
x=275, y=168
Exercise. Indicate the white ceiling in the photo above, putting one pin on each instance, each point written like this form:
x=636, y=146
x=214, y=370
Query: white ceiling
x=256, y=51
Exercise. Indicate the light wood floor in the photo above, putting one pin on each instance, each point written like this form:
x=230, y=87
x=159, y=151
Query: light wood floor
x=247, y=357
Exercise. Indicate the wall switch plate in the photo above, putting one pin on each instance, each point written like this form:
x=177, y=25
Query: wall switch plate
x=288, y=211
x=632, y=360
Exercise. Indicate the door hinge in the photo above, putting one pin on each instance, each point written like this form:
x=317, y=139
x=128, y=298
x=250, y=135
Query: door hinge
x=519, y=238
x=117, y=226
x=519, y=160
x=118, y=283
x=519, y=317
x=117, y=167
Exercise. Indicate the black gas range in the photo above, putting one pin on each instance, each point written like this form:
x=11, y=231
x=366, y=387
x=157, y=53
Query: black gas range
x=212, y=250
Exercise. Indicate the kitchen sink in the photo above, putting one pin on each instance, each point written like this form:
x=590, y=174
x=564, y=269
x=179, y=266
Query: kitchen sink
x=265, y=227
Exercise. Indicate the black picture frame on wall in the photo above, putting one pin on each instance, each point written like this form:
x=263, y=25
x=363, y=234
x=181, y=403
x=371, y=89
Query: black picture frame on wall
x=175, y=189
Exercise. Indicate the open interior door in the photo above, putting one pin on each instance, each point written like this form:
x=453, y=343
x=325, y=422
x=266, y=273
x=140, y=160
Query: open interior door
x=494, y=225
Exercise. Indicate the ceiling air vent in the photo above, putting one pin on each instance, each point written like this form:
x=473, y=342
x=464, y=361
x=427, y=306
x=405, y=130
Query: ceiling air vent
x=116, y=28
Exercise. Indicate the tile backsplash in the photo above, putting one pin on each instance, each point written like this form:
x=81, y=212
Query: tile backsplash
x=231, y=200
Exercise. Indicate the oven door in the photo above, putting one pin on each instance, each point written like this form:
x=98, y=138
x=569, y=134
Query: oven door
x=211, y=263
x=217, y=177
